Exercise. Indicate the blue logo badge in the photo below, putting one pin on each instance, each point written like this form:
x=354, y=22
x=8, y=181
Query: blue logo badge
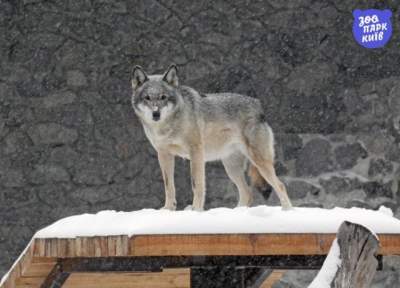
x=372, y=28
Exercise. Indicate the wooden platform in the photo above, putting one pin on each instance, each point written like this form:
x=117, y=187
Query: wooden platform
x=99, y=261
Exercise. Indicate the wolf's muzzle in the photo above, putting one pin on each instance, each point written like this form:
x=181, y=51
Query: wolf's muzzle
x=156, y=115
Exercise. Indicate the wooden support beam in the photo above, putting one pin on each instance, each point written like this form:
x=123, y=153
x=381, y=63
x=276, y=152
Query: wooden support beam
x=56, y=278
x=154, y=263
x=256, y=280
x=168, y=278
x=272, y=278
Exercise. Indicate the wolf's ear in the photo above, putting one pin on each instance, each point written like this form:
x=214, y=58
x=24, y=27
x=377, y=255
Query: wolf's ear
x=171, y=76
x=138, y=77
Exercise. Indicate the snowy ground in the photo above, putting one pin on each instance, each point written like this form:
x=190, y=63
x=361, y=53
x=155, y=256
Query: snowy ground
x=260, y=219
x=328, y=271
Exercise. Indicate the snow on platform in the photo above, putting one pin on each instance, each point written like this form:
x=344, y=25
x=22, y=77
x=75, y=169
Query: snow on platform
x=260, y=219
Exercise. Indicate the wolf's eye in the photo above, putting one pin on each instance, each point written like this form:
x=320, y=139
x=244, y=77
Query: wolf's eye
x=147, y=97
x=163, y=97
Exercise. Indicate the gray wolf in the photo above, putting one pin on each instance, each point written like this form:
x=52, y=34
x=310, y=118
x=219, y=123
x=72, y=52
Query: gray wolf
x=179, y=121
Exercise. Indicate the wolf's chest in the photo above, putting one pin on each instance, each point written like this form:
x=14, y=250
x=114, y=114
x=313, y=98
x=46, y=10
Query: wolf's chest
x=156, y=137
x=166, y=139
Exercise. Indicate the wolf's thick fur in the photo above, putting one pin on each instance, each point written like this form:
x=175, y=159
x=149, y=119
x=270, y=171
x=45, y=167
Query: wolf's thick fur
x=179, y=121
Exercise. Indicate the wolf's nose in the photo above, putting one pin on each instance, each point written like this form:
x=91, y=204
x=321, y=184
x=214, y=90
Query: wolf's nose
x=156, y=115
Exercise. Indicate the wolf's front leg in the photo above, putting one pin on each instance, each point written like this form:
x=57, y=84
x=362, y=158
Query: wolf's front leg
x=167, y=163
x=197, y=169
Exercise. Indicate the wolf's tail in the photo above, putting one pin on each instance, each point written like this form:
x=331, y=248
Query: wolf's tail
x=258, y=182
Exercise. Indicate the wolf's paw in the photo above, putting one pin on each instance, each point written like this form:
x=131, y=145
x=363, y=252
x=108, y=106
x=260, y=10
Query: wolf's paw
x=287, y=208
x=192, y=208
x=168, y=207
x=244, y=204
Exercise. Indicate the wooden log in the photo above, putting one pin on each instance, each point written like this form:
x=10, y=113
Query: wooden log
x=358, y=250
x=352, y=261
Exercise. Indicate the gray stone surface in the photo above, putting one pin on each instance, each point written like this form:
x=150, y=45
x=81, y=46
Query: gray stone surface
x=378, y=189
x=315, y=158
x=299, y=189
x=70, y=142
x=339, y=185
x=380, y=167
x=52, y=134
x=347, y=155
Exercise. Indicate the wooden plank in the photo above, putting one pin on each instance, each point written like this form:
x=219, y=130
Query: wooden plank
x=231, y=244
x=111, y=246
x=122, y=246
x=62, y=247
x=169, y=278
x=274, y=277
x=38, y=269
x=47, y=247
x=28, y=282
x=82, y=247
x=39, y=248
x=71, y=248
x=390, y=244
x=44, y=260
x=78, y=247
x=97, y=246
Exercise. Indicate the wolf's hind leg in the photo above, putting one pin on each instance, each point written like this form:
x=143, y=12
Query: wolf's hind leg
x=267, y=170
x=235, y=166
x=259, y=142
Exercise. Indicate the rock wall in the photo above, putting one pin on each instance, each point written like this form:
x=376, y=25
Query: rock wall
x=70, y=142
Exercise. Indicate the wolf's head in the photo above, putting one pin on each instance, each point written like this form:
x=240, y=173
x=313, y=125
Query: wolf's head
x=155, y=97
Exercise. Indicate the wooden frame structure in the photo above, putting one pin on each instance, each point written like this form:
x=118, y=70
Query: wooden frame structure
x=168, y=260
